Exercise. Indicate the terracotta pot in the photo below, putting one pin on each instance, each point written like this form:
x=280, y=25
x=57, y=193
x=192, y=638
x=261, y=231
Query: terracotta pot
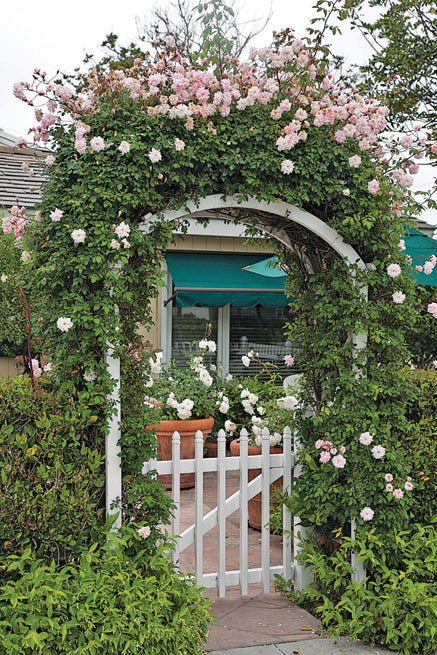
x=187, y=429
x=254, y=504
x=211, y=449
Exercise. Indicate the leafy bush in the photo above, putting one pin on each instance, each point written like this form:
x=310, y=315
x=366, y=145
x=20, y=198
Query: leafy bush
x=397, y=603
x=51, y=477
x=419, y=439
x=122, y=597
x=13, y=336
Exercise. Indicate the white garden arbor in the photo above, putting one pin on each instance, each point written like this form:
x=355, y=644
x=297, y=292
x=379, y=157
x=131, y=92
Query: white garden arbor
x=274, y=218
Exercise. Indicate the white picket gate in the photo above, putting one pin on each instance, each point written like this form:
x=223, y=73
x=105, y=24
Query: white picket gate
x=273, y=466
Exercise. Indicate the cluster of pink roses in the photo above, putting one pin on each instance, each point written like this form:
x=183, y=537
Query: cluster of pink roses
x=331, y=453
x=397, y=492
x=172, y=87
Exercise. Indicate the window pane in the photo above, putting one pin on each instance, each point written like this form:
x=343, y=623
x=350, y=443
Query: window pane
x=190, y=324
x=260, y=329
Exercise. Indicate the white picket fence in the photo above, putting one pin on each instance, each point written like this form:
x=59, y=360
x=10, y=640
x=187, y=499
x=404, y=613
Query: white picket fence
x=273, y=466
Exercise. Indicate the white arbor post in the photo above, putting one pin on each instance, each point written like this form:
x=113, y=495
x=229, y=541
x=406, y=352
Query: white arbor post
x=303, y=576
x=112, y=448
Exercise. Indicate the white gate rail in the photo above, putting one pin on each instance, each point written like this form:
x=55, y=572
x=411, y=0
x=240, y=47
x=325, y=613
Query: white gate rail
x=272, y=466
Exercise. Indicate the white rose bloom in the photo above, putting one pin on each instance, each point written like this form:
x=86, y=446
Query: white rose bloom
x=229, y=377
x=212, y=346
x=230, y=426
x=245, y=360
x=258, y=440
x=149, y=382
x=261, y=410
x=183, y=413
x=205, y=377
x=224, y=405
x=289, y=402
x=203, y=344
x=247, y=407
x=244, y=393
x=187, y=403
x=253, y=399
x=256, y=419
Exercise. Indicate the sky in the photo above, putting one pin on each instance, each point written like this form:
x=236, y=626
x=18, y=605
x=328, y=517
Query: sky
x=55, y=36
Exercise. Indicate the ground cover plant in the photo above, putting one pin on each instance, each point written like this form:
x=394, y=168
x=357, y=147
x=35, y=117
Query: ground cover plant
x=279, y=128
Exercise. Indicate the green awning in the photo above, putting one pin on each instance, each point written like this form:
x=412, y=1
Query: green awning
x=420, y=247
x=214, y=280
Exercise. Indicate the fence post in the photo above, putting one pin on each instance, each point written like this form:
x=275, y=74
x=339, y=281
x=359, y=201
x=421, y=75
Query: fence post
x=358, y=570
x=303, y=575
x=198, y=506
x=112, y=448
x=221, y=514
x=286, y=515
x=176, y=489
x=244, y=525
x=265, y=511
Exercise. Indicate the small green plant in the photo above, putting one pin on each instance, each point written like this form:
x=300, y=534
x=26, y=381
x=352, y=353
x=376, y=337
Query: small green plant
x=397, y=603
x=121, y=597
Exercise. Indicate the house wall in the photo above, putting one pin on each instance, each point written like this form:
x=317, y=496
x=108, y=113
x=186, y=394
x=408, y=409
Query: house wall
x=200, y=243
x=8, y=367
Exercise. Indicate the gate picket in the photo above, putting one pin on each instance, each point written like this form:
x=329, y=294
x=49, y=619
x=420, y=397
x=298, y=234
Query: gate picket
x=273, y=466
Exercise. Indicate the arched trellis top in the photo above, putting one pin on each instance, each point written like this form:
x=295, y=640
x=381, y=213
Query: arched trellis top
x=215, y=203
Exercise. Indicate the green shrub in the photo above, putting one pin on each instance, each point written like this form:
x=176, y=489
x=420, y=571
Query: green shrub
x=419, y=440
x=13, y=336
x=51, y=479
x=397, y=604
x=124, y=597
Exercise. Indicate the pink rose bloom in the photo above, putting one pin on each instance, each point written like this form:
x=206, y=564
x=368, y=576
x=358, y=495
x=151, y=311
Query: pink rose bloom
x=97, y=144
x=80, y=145
x=367, y=513
x=179, y=145
x=393, y=270
x=144, y=532
x=388, y=477
x=401, y=244
x=49, y=160
x=122, y=230
x=289, y=360
x=419, y=268
x=432, y=309
x=354, y=161
x=398, y=297
x=124, y=147
x=409, y=486
x=373, y=187
x=389, y=487
x=155, y=155
x=287, y=166
x=339, y=461
x=325, y=457
x=115, y=244
x=366, y=438
x=56, y=215
x=398, y=493
x=378, y=452
x=64, y=323
x=319, y=443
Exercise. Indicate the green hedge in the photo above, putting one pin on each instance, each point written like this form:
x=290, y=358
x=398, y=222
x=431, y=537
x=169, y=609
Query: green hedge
x=397, y=604
x=124, y=597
